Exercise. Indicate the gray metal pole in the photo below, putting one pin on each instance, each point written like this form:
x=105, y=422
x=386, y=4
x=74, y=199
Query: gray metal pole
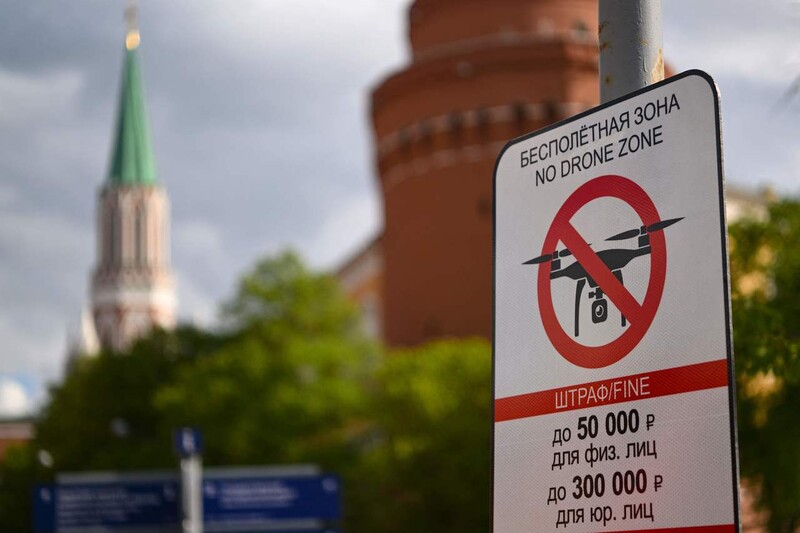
x=631, y=46
x=191, y=483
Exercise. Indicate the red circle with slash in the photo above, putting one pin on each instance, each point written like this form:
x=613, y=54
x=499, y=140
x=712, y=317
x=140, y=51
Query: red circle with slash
x=639, y=316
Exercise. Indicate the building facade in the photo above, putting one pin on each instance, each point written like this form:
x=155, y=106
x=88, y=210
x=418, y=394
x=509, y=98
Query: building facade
x=14, y=433
x=361, y=278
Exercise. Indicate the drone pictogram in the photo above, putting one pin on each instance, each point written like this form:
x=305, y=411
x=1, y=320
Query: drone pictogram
x=615, y=259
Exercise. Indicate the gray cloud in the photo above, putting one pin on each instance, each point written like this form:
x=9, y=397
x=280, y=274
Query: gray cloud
x=258, y=116
x=752, y=51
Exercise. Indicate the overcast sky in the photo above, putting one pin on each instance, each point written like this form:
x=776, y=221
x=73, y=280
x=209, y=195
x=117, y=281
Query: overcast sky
x=259, y=116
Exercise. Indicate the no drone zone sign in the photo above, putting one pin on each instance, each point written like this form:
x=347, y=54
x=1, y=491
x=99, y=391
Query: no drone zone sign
x=613, y=394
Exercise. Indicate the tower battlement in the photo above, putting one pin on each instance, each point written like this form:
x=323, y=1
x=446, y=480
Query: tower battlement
x=436, y=27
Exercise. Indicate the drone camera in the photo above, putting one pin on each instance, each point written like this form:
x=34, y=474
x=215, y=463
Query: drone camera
x=556, y=264
x=644, y=240
x=599, y=310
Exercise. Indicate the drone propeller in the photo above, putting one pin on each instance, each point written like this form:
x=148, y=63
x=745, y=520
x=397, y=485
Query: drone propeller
x=547, y=257
x=657, y=226
x=541, y=259
x=567, y=252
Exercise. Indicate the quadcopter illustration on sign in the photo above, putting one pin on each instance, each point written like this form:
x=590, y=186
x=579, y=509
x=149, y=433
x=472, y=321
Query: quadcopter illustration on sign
x=614, y=259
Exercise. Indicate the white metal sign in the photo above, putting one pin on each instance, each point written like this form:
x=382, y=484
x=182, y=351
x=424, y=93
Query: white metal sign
x=613, y=396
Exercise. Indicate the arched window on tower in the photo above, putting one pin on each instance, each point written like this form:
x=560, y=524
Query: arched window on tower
x=404, y=141
x=154, y=238
x=112, y=236
x=140, y=237
x=520, y=111
x=455, y=124
x=425, y=133
x=107, y=329
x=482, y=118
x=551, y=113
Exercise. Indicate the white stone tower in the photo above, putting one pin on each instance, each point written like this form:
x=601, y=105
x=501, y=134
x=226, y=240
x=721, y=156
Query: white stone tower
x=132, y=286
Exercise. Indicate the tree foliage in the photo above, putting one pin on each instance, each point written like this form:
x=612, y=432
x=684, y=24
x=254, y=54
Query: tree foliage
x=19, y=471
x=284, y=382
x=290, y=379
x=427, y=467
x=765, y=269
x=103, y=417
x=288, y=384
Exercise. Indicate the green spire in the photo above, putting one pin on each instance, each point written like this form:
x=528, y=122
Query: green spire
x=132, y=161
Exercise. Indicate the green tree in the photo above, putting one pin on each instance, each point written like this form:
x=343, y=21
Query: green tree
x=19, y=472
x=302, y=401
x=103, y=415
x=765, y=269
x=427, y=465
x=283, y=383
x=289, y=384
x=281, y=298
x=291, y=379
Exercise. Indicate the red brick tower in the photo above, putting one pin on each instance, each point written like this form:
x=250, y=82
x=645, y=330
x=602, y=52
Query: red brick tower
x=482, y=72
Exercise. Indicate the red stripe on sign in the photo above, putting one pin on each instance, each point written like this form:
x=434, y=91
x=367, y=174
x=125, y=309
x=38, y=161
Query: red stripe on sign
x=728, y=528
x=678, y=380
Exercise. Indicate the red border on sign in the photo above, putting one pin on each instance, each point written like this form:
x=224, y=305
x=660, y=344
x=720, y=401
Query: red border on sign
x=678, y=380
x=640, y=316
x=726, y=528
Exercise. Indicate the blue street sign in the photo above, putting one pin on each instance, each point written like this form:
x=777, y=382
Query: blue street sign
x=247, y=503
x=188, y=441
x=272, y=529
x=289, y=498
x=146, y=505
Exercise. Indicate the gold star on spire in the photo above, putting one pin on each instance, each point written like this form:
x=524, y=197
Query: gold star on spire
x=132, y=37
